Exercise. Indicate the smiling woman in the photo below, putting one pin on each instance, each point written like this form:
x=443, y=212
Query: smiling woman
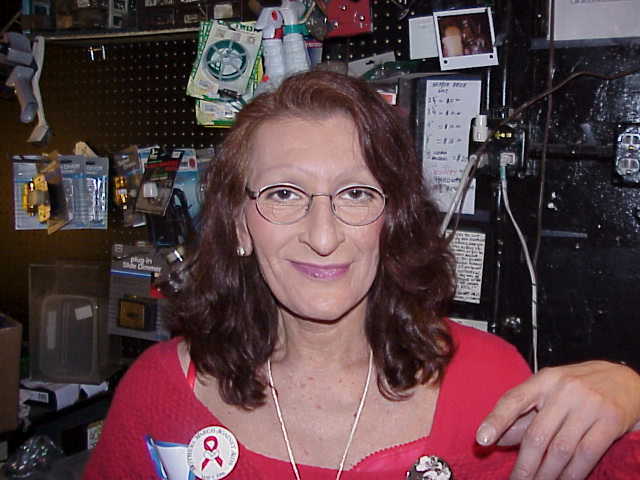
x=321, y=156
x=311, y=339
x=320, y=135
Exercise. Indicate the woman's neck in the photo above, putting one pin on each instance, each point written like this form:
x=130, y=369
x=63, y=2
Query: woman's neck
x=308, y=344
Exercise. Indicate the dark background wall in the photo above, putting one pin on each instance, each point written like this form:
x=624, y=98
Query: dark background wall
x=134, y=96
x=588, y=266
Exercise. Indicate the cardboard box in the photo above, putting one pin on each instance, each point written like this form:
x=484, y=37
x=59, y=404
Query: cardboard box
x=10, y=341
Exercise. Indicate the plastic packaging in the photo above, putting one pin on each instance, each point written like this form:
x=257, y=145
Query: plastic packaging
x=296, y=58
x=35, y=455
x=68, y=338
x=272, y=51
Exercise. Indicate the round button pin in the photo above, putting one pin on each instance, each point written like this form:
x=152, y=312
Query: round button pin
x=212, y=453
x=430, y=467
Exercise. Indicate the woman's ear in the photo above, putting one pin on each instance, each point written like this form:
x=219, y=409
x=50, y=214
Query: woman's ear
x=245, y=245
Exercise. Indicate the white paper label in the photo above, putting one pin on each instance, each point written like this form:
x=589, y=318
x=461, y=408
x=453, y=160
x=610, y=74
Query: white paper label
x=422, y=38
x=84, y=312
x=93, y=434
x=478, y=324
x=450, y=106
x=468, y=248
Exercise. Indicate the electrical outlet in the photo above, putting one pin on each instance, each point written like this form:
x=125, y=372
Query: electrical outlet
x=506, y=149
x=627, y=161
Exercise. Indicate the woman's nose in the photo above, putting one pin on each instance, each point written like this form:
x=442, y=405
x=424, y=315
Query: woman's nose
x=322, y=230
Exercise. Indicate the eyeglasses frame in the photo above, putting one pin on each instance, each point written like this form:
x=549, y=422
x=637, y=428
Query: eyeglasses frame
x=254, y=194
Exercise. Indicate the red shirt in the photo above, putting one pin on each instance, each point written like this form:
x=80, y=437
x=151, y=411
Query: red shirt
x=154, y=400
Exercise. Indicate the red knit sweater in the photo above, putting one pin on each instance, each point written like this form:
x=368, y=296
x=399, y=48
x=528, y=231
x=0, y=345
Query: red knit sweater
x=155, y=400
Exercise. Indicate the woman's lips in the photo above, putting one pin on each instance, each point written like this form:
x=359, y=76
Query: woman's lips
x=321, y=272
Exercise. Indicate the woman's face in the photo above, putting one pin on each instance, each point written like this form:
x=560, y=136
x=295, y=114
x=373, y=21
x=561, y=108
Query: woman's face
x=318, y=267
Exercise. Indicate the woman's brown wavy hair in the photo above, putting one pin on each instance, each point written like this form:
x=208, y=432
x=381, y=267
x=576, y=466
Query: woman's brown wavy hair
x=226, y=311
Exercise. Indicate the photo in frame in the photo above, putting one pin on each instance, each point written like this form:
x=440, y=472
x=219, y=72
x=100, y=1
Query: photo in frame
x=465, y=38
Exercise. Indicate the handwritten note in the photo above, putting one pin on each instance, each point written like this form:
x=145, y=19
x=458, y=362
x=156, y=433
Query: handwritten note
x=450, y=106
x=468, y=248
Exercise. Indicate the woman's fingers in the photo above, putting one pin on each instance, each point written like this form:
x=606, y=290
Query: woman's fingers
x=510, y=408
x=564, y=418
x=513, y=435
x=549, y=426
x=590, y=449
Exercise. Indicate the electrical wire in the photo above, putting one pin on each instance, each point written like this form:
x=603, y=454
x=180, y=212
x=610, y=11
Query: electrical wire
x=547, y=129
x=530, y=267
x=14, y=19
x=476, y=156
x=472, y=166
x=307, y=14
x=457, y=197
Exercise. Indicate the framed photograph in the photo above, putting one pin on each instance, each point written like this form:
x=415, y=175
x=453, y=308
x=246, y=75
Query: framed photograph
x=465, y=38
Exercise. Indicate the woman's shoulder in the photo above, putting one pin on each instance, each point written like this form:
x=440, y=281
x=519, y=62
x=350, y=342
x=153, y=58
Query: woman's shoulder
x=158, y=362
x=482, y=353
x=473, y=340
x=160, y=351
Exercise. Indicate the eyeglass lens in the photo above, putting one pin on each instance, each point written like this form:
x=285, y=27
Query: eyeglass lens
x=354, y=205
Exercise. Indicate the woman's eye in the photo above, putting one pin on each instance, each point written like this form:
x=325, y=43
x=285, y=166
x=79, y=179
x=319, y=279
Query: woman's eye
x=357, y=194
x=283, y=195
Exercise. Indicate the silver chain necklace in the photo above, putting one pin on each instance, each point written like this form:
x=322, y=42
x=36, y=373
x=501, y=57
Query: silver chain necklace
x=274, y=394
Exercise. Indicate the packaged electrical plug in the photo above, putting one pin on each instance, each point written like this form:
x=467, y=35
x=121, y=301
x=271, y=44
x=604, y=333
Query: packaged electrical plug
x=225, y=60
x=72, y=169
x=147, y=153
x=73, y=188
x=25, y=169
x=156, y=187
x=85, y=181
x=126, y=183
x=49, y=193
x=187, y=180
x=96, y=182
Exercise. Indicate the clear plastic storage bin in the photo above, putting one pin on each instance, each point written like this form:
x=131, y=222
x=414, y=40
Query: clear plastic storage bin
x=68, y=335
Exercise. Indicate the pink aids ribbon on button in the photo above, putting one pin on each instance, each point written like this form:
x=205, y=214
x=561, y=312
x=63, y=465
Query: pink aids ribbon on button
x=211, y=451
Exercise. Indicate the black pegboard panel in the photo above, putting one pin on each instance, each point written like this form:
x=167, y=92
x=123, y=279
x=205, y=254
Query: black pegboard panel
x=390, y=31
x=587, y=110
x=588, y=265
x=390, y=34
x=134, y=95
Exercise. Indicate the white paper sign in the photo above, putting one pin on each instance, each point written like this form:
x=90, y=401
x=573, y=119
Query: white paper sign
x=468, y=248
x=479, y=324
x=589, y=19
x=450, y=106
x=84, y=312
x=422, y=38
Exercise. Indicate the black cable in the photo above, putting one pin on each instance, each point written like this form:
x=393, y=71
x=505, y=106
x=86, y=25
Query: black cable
x=545, y=141
x=516, y=113
x=14, y=19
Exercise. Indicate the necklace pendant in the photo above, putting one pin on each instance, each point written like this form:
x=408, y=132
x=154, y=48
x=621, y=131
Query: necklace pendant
x=430, y=467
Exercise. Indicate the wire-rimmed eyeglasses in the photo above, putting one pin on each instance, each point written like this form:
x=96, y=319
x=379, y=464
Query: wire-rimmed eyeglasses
x=285, y=203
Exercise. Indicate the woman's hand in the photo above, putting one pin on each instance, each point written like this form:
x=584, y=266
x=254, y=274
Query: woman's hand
x=565, y=418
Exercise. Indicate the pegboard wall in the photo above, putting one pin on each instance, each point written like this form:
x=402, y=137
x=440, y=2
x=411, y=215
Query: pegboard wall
x=134, y=94
x=390, y=34
x=589, y=265
x=109, y=94
x=131, y=92
x=112, y=93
